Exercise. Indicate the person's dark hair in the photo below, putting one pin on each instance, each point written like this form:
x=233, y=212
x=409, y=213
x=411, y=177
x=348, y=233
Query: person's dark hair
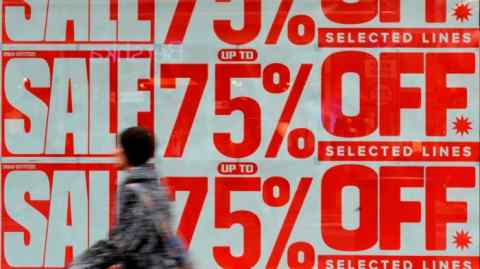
x=138, y=145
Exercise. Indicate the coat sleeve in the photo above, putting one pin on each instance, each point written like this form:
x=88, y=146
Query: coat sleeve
x=124, y=240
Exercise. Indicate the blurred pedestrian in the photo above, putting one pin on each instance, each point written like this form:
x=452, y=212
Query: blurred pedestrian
x=143, y=236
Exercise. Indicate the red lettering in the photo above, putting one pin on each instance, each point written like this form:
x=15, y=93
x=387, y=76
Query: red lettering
x=390, y=211
x=362, y=11
x=225, y=218
x=335, y=179
x=393, y=210
x=226, y=105
x=393, y=97
x=251, y=25
x=198, y=75
x=197, y=187
x=334, y=67
x=436, y=10
x=390, y=10
x=439, y=97
x=180, y=22
x=439, y=211
x=350, y=13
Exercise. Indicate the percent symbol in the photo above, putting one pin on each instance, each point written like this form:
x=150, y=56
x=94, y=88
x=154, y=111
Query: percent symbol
x=276, y=193
x=277, y=80
x=301, y=28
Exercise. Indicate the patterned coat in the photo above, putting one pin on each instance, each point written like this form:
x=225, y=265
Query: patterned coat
x=136, y=241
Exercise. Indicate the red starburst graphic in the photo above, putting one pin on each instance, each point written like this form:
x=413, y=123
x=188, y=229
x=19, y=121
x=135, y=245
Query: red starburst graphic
x=462, y=239
x=462, y=12
x=462, y=125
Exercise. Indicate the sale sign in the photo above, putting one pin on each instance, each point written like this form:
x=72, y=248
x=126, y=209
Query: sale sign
x=51, y=212
x=69, y=207
x=69, y=103
x=325, y=134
